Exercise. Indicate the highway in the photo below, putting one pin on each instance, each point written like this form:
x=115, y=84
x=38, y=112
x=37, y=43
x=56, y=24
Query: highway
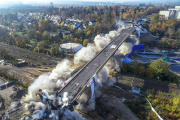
x=78, y=83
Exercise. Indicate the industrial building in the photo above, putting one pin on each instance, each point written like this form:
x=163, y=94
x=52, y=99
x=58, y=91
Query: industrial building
x=170, y=13
x=70, y=47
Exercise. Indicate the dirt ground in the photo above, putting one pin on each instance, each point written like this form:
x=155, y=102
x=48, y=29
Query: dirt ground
x=7, y=96
x=109, y=105
x=32, y=58
x=25, y=74
x=125, y=82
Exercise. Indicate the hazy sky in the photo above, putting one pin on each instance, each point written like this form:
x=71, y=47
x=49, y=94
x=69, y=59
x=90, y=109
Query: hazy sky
x=46, y=1
x=55, y=1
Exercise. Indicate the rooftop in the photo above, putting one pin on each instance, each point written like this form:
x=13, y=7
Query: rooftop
x=70, y=45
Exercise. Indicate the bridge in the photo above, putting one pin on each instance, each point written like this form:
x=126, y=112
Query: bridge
x=79, y=82
x=76, y=86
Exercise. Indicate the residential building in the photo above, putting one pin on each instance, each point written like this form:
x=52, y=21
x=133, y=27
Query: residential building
x=170, y=13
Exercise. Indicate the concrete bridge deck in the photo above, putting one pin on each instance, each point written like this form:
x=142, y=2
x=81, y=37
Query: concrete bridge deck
x=78, y=83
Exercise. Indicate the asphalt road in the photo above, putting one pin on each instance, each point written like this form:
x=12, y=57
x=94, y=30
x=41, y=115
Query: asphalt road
x=78, y=83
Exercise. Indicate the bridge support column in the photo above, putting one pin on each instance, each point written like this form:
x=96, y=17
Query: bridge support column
x=92, y=84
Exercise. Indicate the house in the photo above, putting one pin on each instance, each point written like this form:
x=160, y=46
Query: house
x=136, y=90
x=66, y=34
x=81, y=28
x=92, y=22
x=70, y=47
x=76, y=25
x=53, y=34
x=14, y=22
x=2, y=62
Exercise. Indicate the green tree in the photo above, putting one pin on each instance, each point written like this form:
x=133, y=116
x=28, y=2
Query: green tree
x=45, y=35
x=3, y=34
x=155, y=18
x=43, y=25
x=41, y=46
x=169, y=43
x=3, y=52
x=178, y=34
x=30, y=34
x=55, y=50
x=171, y=32
x=159, y=66
x=60, y=35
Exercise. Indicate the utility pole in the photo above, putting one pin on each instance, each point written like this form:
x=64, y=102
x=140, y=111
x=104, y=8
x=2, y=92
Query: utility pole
x=132, y=81
x=158, y=79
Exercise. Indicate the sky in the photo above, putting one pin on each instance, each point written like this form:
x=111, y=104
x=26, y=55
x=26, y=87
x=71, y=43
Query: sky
x=46, y=1
x=54, y=1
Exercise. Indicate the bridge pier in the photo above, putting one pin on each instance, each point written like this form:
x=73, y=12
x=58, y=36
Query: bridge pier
x=92, y=84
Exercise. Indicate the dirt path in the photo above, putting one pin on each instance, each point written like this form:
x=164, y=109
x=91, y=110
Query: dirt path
x=126, y=80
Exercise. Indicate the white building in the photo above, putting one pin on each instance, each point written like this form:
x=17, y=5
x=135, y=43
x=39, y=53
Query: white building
x=70, y=47
x=164, y=15
x=170, y=13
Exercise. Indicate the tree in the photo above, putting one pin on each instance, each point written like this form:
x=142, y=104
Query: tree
x=169, y=43
x=45, y=35
x=171, y=32
x=3, y=52
x=41, y=46
x=69, y=26
x=54, y=50
x=155, y=18
x=43, y=25
x=3, y=34
x=178, y=34
x=142, y=70
x=62, y=24
x=30, y=34
x=85, y=42
x=75, y=40
x=37, y=35
x=60, y=35
x=159, y=66
x=175, y=103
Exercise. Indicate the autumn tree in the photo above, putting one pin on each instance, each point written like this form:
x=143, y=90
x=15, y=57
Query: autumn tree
x=62, y=24
x=75, y=40
x=85, y=42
